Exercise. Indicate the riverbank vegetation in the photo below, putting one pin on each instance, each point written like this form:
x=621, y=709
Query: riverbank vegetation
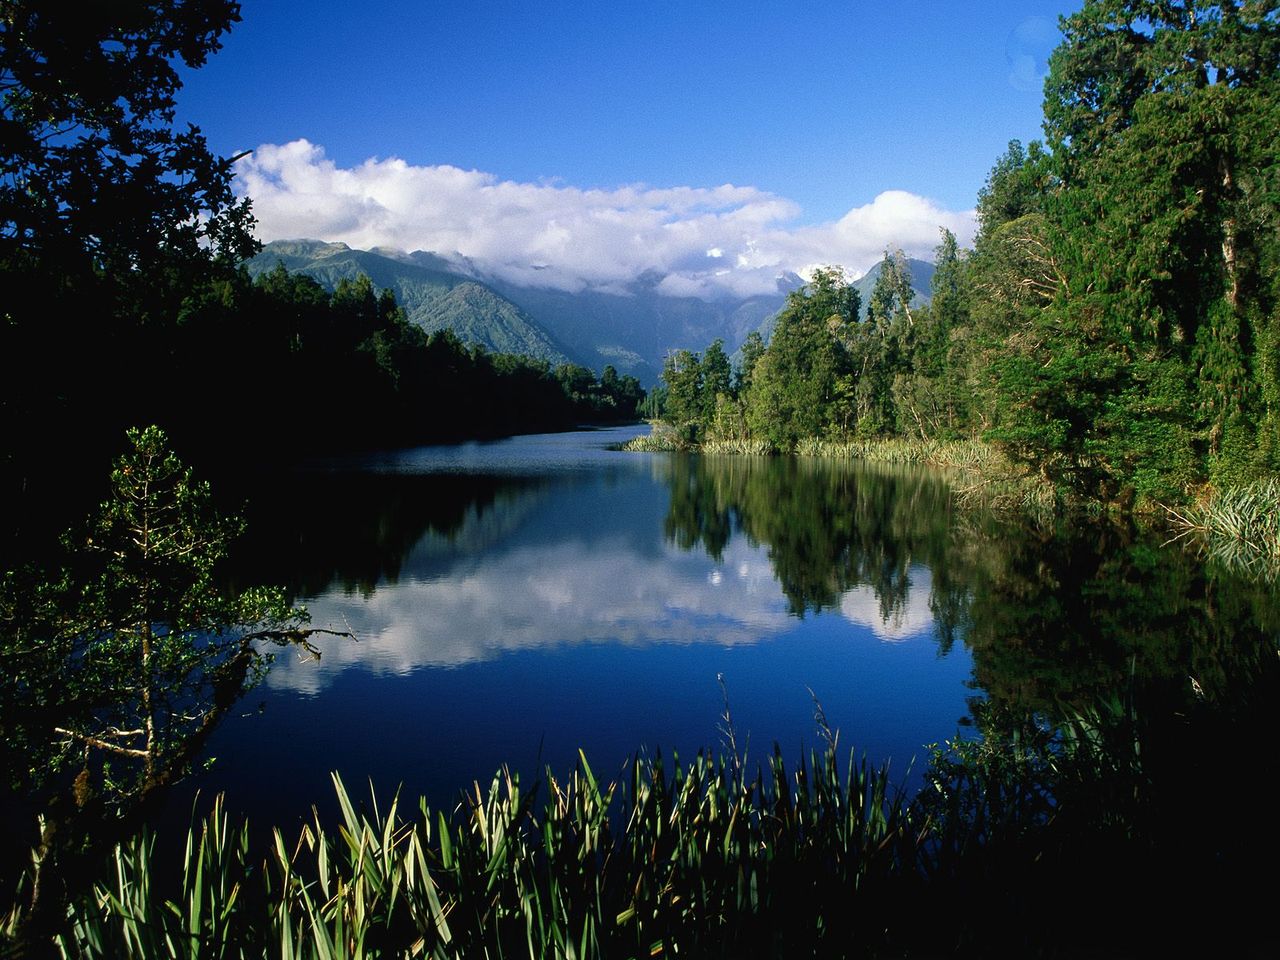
x=1075, y=839
x=1239, y=527
x=1115, y=330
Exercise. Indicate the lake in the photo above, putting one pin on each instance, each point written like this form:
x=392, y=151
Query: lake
x=516, y=601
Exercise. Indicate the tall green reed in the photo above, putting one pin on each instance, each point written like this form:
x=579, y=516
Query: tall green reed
x=700, y=857
x=1239, y=527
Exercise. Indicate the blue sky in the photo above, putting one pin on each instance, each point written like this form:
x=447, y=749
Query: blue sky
x=813, y=109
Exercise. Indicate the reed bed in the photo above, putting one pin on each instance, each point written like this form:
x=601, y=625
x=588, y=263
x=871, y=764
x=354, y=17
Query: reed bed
x=982, y=475
x=964, y=454
x=661, y=438
x=738, y=446
x=1015, y=833
x=1239, y=527
x=961, y=454
x=702, y=860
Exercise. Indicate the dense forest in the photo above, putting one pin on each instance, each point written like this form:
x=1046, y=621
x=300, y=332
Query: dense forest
x=1116, y=326
x=272, y=369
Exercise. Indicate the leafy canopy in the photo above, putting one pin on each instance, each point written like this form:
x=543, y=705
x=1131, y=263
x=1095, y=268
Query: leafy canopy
x=92, y=172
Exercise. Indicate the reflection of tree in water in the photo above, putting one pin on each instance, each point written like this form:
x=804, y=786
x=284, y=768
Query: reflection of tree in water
x=827, y=526
x=1064, y=615
x=356, y=529
x=1054, y=616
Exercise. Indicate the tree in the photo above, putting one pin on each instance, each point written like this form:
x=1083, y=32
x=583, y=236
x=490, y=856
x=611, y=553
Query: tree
x=752, y=351
x=682, y=377
x=717, y=378
x=881, y=347
x=799, y=386
x=1161, y=120
x=92, y=174
x=1015, y=187
x=109, y=217
x=932, y=393
x=1010, y=277
x=620, y=396
x=577, y=381
x=609, y=382
x=115, y=671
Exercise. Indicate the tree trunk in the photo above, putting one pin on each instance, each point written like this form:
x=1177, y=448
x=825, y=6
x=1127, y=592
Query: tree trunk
x=1229, y=239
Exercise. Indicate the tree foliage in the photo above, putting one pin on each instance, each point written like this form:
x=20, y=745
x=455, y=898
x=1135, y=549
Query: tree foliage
x=93, y=175
x=1163, y=212
x=1116, y=328
x=114, y=664
x=800, y=385
x=110, y=217
x=115, y=669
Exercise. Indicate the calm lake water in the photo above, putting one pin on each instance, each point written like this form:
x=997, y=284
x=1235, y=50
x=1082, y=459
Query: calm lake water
x=516, y=601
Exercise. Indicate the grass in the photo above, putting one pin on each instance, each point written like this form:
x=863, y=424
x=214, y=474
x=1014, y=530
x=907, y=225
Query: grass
x=698, y=859
x=1239, y=527
x=982, y=476
x=737, y=446
x=963, y=454
x=661, y=438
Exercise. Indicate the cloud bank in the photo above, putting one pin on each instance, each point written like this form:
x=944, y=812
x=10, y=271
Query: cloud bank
x=699, y=241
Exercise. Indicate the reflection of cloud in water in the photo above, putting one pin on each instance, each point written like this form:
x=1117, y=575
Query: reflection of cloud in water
x=911, y=618
x=533, y=597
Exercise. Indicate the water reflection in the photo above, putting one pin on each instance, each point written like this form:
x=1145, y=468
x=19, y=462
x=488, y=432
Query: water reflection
x=540, y=604
x=1062, y=616
x=535, y=552
x=907, y=619
x=448, y=570
x=529, y=595
x=1054, y=616
x=353, y=531
x=834, y=533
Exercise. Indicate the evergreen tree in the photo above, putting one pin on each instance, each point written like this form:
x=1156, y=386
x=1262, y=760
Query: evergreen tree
x=682, y=378
x=933, y=393
x=881, y=350
x=717, y=378
x=114, y=672
x=1155, y=115
x=752, y=351
x=1015, y=187
x=800, y=386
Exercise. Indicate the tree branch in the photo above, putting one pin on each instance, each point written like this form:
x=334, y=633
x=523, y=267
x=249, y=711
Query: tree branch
x=101, y=744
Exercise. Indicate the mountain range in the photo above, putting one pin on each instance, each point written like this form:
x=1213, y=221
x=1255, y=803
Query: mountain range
x=633, y=330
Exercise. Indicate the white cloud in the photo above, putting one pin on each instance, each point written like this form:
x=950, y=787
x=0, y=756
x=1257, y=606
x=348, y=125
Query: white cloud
x=699, y=241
